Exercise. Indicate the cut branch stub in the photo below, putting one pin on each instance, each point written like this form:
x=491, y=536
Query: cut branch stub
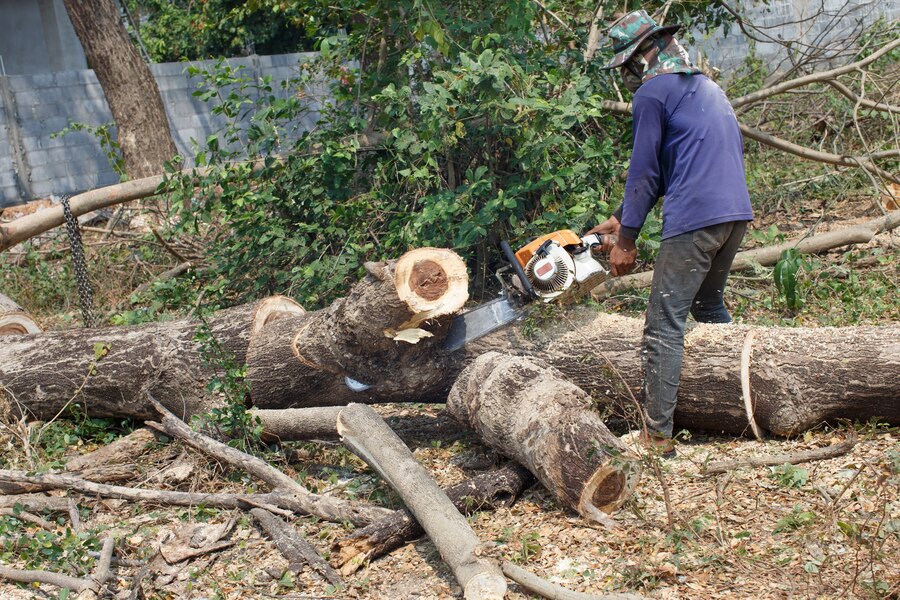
x=529, y=412
x=273, y=308
x=384, y=334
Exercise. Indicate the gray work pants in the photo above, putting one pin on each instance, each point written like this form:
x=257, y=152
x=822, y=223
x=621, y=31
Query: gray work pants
x=689, y=276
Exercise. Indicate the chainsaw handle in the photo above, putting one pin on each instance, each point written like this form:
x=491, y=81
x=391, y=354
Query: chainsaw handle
x=520, y=272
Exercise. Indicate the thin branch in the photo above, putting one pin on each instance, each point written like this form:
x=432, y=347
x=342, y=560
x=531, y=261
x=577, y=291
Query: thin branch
x=544, y=588
x=555, y=17
x=813, y=77
x=871, y=104
x=815, y=155
x=795, y=458
x=271, y=502
x=325, y=507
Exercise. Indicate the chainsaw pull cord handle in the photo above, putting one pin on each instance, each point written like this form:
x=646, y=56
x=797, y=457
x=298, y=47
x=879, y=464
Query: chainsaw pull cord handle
x=520, y=272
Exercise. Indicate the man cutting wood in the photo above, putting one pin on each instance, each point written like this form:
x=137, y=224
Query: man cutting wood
x=688, y=148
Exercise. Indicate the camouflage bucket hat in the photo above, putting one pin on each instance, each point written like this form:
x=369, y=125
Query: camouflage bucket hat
x=629, y=32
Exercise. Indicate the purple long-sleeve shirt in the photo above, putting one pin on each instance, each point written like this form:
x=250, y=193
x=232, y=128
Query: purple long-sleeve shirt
x=688, y=148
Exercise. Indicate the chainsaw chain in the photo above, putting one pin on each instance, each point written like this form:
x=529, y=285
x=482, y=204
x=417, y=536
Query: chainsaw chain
x=79, y=265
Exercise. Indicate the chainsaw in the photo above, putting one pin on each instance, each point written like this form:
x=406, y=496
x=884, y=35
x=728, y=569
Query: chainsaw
x=552, y=268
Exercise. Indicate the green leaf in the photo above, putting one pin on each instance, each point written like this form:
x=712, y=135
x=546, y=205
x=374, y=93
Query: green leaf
x=101, y=349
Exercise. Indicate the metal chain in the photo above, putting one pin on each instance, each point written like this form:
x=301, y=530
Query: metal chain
x=85, y=293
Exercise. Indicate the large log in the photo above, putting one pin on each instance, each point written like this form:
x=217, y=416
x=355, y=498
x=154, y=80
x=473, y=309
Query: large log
x=799, y=377
x=108, y=370
x=529, y=412
x=385, y=335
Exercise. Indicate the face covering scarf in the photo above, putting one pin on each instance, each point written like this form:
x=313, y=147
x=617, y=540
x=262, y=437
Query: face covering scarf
x=669, y=57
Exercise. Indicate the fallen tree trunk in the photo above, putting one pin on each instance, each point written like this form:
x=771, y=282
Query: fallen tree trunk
x=856, y=234
x=107, y=371
x=799, y=377
x=384, y=336
x=486, y=491
x=368, y=436
x=530, y=413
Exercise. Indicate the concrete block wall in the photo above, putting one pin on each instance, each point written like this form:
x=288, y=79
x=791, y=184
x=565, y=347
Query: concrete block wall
x=41, y=105
x=790, y=20
x=8, y=185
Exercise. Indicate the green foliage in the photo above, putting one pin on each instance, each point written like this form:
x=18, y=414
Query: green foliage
x=65, y=551
x=230, y=419
x=180, y=30
x=489, y=126
x=108, y=142
x=54, y=440
x=796, y=519
x=788, y=475
x=785, y=274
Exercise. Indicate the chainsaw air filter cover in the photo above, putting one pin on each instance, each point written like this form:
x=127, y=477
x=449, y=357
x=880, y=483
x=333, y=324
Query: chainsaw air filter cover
x=551, y=272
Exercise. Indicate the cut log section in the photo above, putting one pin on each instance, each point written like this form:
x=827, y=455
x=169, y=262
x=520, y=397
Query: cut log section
x=486, y=491
x=370, y=438
x=298, y=424
x=800, y=377
x=107, y=371
x=378, y=336
x=14, y=320
x=532, y=414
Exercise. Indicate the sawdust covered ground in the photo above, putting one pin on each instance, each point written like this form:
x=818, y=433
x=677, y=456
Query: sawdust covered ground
x=829, y=529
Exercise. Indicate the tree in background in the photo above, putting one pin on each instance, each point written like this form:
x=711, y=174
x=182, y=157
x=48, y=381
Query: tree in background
x=179, y=30
x=128, y=84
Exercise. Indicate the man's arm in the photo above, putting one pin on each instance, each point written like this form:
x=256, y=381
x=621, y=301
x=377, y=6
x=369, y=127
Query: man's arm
x=643, y=183
x=644, y=180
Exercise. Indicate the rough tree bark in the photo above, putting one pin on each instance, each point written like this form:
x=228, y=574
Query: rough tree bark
x=40, y=374
x=799, y=377
x=530, y=413
x=128, y=84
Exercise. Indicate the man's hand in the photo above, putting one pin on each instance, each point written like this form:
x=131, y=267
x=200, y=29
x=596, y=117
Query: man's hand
x=622, y=257
x=608, y=227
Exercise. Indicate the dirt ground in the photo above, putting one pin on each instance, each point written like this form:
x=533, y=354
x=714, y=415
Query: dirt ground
x=828, y=529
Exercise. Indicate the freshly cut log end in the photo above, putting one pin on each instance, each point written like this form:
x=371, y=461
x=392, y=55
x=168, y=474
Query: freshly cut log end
x=432, y=281
x=274, y=308
x=14, y=320
x=17, y=323
x=529, y=412
x=608, y=488
x=485, y=586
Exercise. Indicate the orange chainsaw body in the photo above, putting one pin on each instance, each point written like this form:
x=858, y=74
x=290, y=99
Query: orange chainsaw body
x=563, y=237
